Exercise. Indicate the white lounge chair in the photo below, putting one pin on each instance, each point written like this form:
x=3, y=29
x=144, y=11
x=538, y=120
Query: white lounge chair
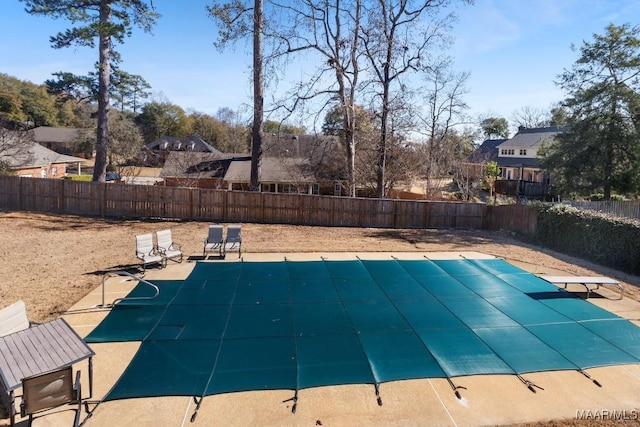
x=147, y=252
x=13, y=318
x=214, y=242
x=167, y=247
x=233, y=242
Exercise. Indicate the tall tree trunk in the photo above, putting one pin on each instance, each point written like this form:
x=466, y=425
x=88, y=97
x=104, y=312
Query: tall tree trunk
x=258, y=96
x=384, y=126
x=102, y=136
x=382, y=153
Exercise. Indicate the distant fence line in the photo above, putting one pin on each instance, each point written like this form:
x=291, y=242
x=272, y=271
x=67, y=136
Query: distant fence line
x=174, y=203
x=619, y=208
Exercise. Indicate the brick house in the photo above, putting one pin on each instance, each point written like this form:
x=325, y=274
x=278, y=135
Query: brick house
x=27, y=158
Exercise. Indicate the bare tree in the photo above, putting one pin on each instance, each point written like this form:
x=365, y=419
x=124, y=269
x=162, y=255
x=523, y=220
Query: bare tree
x=398, y=39
x=125, y=144
x=15, y=149
x=329, y=31
x=530, y=117
x=443, y=111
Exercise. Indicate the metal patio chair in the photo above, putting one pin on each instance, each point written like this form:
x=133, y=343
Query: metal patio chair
x=167, y=247
x=214, y=242
x=233, y=242
x=147, y=252
x=51, y=390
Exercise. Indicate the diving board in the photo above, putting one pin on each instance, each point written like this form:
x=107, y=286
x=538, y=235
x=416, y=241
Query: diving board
x=585, y=281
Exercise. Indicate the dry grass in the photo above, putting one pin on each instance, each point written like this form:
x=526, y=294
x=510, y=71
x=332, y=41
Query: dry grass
x=52, y=261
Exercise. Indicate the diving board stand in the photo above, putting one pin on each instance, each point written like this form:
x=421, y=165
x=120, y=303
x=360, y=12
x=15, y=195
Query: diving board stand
x=585, y=281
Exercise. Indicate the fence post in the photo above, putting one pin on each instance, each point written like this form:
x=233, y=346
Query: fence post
x=103, y=204
x=21, y=193
x=394, y=206
x=225, y=206
x=62, y=205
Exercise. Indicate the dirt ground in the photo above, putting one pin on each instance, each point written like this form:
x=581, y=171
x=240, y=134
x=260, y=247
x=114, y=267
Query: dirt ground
x=53, y=261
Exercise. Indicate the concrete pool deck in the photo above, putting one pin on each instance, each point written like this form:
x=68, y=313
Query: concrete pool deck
x=485, y=399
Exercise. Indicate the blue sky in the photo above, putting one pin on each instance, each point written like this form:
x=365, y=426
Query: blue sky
x=514, y=50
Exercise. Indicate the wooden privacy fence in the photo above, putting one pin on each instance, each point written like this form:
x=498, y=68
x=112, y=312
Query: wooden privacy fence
x=143, y=201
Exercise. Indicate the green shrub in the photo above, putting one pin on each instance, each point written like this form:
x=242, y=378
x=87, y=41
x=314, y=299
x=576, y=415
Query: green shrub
x=604, y=239
x=598, y=197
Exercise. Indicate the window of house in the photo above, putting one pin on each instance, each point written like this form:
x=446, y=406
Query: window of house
x=268, y=188
x=53, y=171
x=289, y=188
x=523, y=152
x=315, y=188
x=43, y=173
x=337, y=189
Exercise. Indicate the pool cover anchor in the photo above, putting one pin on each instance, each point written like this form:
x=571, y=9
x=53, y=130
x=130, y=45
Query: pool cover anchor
x=294, y=399
x=595, y=381
x=530, y=385
x=198, y=403
x=378, y=398
x=455, y=388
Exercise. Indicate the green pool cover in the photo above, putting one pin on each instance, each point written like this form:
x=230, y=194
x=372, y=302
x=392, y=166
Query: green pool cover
x=293, y=325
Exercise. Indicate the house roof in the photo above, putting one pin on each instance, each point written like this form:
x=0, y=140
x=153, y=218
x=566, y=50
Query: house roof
x=273, y=169
x=516, y=162
x=486, y=152
x=194, y=164
x=23, y=153
x=531, y=138
x=51, y=134
x=312, y=147
x=180, y=143
x=285, y=159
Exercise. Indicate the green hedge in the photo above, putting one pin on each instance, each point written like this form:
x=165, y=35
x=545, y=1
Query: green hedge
x=606, y=240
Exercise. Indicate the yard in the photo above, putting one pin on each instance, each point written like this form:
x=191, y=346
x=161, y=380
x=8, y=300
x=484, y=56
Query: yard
x=52, y=261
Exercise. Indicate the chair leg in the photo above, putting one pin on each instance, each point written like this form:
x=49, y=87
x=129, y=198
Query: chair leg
x=78, y=397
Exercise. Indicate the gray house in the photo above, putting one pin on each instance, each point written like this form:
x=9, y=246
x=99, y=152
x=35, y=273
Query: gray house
x=522, y=174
